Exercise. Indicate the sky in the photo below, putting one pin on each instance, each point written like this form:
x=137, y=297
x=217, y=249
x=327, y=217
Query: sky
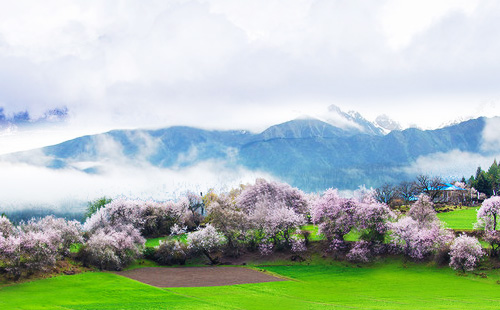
x=226, y=64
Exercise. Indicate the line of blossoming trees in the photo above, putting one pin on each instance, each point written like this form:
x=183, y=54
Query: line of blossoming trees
x=264, y=217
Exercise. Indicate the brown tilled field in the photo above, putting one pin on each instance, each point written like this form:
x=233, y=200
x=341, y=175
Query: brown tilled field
x=197, y=276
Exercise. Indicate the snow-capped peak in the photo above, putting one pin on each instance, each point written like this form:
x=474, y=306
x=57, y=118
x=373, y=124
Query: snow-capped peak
x=387, y=124
x=351, y=121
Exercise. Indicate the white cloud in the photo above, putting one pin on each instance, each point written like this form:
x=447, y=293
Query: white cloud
x=491, y=135
x=248, y=65
x=27, y=185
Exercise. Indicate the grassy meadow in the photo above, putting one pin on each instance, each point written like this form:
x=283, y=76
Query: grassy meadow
x=323, y=284
x=315, y=284
x=462, y=219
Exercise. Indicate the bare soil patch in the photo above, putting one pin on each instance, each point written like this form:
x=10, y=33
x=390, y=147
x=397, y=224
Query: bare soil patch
x=197, y=276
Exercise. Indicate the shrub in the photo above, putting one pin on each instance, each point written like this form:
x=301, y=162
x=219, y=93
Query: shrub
x=171, y=252
x=465, y=253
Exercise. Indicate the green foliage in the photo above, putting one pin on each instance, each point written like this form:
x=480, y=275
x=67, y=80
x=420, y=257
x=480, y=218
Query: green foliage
x=94, y=206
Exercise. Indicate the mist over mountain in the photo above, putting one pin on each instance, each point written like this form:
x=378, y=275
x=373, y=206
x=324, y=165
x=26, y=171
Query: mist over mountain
x=307, y=153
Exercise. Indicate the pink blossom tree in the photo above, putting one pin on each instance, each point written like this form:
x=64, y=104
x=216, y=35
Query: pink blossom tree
x=489, y=214
x=487, y=219
x=272, y=193
x=423, y=212
x=112, y=247
x=372, y=220
x=231, y=221
x=151, y=218
x=28, y=252
x=273, y=210
x=63, y=233
x=416, y=241
x=465, y=253
x=420, y=233
x=206, y=241
x=334, y=216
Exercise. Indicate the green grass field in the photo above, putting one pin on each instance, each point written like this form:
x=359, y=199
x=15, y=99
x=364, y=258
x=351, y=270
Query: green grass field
x=321, y=285
x=459, y=219
x=152, y=242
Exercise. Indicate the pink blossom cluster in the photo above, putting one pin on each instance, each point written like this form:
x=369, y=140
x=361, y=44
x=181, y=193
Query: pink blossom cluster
x=360, y=252
x=266, y=248
x=64, y=233
x=273, y=193
x=6, y=227
x=151, y=218
x=465, y=253
x=372, y=220
x=298, y=244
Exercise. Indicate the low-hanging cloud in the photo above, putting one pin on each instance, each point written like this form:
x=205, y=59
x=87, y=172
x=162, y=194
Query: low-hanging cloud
x=450, y=165
x=491, y=135
x=26, y=185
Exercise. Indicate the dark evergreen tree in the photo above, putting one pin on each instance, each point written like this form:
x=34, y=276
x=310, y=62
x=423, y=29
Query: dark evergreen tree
x=483, y=184
x=494, y=176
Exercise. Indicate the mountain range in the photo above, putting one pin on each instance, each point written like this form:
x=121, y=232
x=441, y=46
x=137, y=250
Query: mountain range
x=344, y=151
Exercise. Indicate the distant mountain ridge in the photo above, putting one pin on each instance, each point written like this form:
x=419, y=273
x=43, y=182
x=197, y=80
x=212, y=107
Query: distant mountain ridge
x=308, y=153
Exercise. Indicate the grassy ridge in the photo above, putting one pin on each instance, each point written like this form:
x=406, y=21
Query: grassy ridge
x=321, y=285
